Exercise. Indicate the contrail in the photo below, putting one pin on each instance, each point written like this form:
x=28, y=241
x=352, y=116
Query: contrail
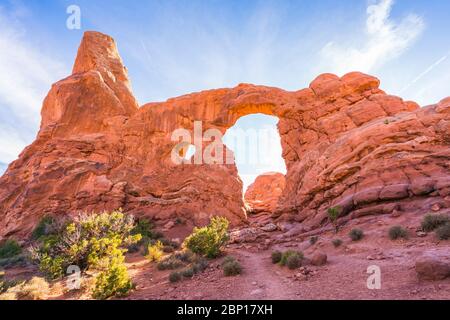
x=423, y=74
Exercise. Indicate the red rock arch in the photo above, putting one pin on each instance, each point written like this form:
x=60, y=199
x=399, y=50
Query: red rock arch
x=345, y=142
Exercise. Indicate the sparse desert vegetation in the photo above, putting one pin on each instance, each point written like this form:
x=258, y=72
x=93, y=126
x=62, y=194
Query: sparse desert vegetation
x=337, y=242
x=433, y=221
x=231, y=267
x=397, y=232
x=356, y=234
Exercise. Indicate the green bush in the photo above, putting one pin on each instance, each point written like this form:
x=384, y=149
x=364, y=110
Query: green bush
x=188, y=272
x=231, y=267
x=443, y=232
x=397, y=232
x=433, y=221
x=114, y=281
x=289, y=253
x=313, y=240
x=95, y=242
x=155, y=252
x=144, y=227
x=356, y=234
x=44, y=228
x=337, y=242
x=174, y=277
x=209, y=240
x=333, y=215
x=293, y=261
x=9, y=248
x=276, y=256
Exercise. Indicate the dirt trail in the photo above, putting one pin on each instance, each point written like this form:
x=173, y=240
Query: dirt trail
x=261, y=279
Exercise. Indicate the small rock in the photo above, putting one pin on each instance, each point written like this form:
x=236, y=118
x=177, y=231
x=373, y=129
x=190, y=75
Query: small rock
x=270, y=227
x=256, y=292
x=301, y=277
x=396, y=213
x=169, y=225
x=319, y=259
x=436, y=207
x=421, y=234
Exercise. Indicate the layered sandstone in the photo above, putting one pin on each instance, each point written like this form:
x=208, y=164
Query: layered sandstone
x=344, y=140
x=263, y=194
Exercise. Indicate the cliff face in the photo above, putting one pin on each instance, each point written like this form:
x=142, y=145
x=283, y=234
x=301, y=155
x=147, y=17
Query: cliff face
x=264, y=194
x=345, y=142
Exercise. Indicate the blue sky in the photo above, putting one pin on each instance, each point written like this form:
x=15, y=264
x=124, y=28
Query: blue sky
x=175, y=47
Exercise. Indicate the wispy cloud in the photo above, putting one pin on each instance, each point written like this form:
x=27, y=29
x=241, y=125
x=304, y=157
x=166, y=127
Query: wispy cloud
x=385, y=40
x=433, y=66
x=25, y=77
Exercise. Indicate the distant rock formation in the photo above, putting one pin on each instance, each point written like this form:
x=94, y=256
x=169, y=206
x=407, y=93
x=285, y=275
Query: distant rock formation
x=263, y=194
x=345, y=143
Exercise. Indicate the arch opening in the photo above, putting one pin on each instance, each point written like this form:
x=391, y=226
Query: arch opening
x=256, y=144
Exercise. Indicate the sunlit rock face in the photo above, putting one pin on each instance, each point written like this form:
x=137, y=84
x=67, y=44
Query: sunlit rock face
x=345, y=143
x=263, y=195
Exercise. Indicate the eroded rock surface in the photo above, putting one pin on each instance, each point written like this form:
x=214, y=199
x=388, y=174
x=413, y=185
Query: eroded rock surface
x=344, y=140
x=264, y=193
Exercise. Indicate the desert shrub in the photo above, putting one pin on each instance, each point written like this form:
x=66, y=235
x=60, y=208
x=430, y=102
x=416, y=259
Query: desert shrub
x=433, y=221
x=313, y=240
x=231, y=267
x=293, y=262
x=228, y=259
x=356, y=234
x=337, y=242
x=209, y=240
x=170, y=263
x=186, y=256
x=333, y=215
x=397, y=232
x=34, y=289
x=276, y=256
x=114, y=281
x=6, y=284
x=155, y=252
x=174, y=277
x=144, y=227
x=200, y=265
x=43, y=228
x=188, y=272
x=443, y=232
x=95, y=242
x=285, y=256
x=16, y=261
x=9, y=248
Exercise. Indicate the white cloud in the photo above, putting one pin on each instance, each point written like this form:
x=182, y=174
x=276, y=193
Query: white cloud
x=384, y=41
x=25, y=78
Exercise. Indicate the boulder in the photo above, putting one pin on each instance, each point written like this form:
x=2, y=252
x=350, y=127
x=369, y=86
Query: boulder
x=319, y=259
x=433, y=265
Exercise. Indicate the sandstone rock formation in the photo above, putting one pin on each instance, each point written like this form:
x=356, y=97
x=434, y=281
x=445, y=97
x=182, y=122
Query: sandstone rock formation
x=264, y=193
x=344, y=140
